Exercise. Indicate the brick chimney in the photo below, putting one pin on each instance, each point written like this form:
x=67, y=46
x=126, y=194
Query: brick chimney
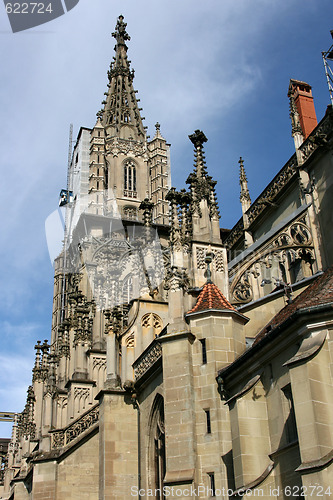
x=301, y=102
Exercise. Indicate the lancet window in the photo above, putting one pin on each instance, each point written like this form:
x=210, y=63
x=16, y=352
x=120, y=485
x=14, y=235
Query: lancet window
x=130, y=179
x=157, y=462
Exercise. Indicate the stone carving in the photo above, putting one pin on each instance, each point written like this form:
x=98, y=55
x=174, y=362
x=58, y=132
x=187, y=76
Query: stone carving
x=201, y=258
x=81, y=393
x=118, y=146
x=26, y=424
x=147, y=360
x=292, y=244
x=319, y=138
x=218, y=260
x=130, y=342
x=282, y=178
x=62, y=402
x=152, y=320
x=265, y=199
x=243, y=290
x=176, y=278
x=98, y=362
x=65, y=436
x=130, y=213
x=40, y=371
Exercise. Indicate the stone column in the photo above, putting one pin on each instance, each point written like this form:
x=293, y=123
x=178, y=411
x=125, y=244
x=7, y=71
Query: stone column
x=118, y=434
x=112, y=379
x=179, y=409
x=312, y=394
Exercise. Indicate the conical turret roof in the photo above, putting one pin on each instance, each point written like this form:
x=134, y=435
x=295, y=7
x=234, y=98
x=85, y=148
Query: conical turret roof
x=211, y=298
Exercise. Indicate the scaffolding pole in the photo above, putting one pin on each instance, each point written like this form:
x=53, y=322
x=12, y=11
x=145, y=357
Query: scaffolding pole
x=328, y=56
x=67, y=210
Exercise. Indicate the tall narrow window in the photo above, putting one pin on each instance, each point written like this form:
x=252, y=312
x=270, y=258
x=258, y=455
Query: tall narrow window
x=203, y=351
x=157, y=460
x=289, y=410
x=208, y=422
x=130, y=179
x=212, y=484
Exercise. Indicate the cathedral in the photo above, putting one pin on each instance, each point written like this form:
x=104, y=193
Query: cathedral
x=185, y=360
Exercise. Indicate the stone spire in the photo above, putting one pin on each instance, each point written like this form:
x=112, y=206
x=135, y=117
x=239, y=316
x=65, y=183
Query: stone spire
x=198, y=139
x=296, y=129
x=121, y=114
x=245, y=194
x=245, y=201
x=204, y=207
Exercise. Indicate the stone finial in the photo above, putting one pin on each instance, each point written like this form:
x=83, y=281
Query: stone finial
x=147, y=207
x=296, y=128
x=242, y=175
x=208, y=260
x=120, y=33
x=198, y=138
x=38, y=348
x=245, y=194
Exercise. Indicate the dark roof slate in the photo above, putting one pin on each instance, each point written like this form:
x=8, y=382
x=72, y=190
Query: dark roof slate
x=320, y=292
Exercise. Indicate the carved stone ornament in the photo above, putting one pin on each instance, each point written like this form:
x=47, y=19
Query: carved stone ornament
x=176, y=279
x=117, y=146
x=291, y=244
x=309, y=146
x=218, y=260
x=65, y=436
x=150, y=357
x=265, y=199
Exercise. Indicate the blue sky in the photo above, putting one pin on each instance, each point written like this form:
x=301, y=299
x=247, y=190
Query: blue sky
x=220, y=66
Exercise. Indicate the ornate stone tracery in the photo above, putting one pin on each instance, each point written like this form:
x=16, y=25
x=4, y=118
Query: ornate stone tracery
x=152, y=320
x=218, y=260
x=65, y=436
x=291, y=246
x=142, y=365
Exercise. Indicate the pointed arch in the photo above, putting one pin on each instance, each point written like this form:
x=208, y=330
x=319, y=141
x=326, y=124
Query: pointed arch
x=156, y=448
x=130, y=178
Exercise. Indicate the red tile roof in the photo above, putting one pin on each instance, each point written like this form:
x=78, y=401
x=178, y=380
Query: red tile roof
x=320, y=292
x=211, y=297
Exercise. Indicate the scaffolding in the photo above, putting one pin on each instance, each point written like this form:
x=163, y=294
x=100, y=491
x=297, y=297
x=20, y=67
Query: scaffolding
x=328, y=65
x=67, y=202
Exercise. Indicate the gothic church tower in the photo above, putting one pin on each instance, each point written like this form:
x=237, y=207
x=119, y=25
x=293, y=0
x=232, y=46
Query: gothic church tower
x=123, y=165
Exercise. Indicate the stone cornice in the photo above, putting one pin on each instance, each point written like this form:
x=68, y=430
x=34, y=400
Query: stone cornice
x=169, y=337
x=255, y=483
x=218, y=312
x=316, y=464
x=179, y=476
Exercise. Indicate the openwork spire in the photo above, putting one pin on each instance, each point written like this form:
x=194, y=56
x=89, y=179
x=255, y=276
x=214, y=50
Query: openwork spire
x=120, y=114
x=245, y=194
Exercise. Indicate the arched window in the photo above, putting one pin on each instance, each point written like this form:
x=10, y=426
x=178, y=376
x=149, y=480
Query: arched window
x=130, y=212
x=130, y=179
x=156, y=448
